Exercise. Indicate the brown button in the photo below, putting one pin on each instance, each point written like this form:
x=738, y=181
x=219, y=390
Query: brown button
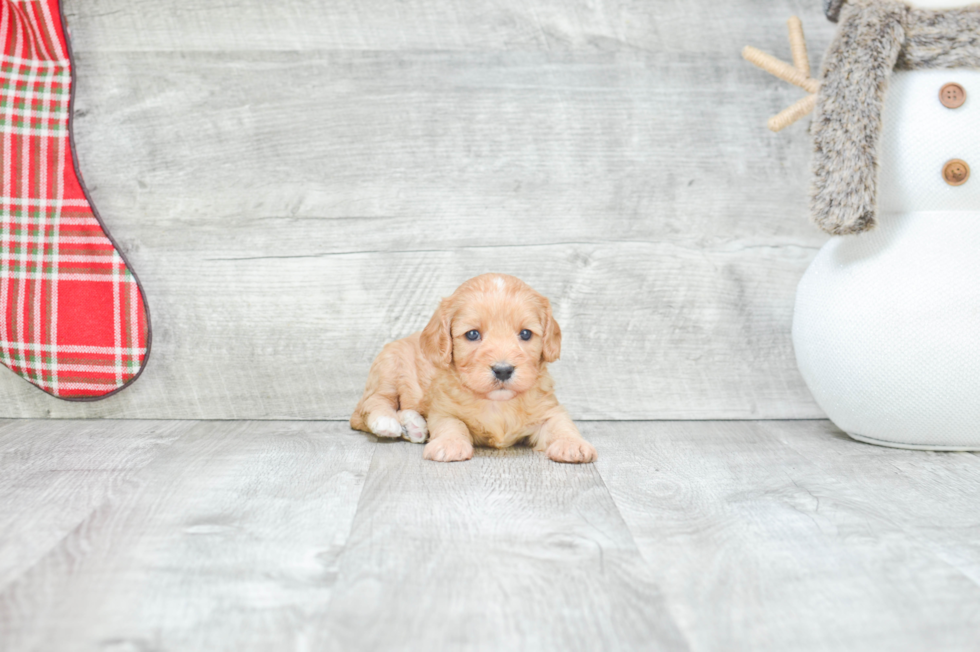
x=952, y=96
x=956, y=172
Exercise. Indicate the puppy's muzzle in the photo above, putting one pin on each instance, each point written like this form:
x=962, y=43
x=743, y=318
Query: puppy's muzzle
x=502, y=372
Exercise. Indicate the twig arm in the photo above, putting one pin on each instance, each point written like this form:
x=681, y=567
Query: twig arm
x=786, y=117
x=797, y=44
x=780, y=69
x=798, y=74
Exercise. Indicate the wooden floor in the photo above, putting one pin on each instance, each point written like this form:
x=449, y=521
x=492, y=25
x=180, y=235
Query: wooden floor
x=245, y=535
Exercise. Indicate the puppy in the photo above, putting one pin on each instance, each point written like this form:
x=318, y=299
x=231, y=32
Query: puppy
x=476, y=374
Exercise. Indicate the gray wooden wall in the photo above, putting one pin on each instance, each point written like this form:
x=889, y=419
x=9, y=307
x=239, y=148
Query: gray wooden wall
x=297, y=182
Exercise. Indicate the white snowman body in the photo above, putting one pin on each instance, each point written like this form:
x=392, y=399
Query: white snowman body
x=887, y=323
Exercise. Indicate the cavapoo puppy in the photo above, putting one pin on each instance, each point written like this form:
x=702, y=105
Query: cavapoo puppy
x=476, y=374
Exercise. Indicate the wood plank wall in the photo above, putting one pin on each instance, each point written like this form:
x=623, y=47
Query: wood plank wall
x=298, y=182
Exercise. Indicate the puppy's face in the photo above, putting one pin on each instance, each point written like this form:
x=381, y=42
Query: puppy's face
x=495, y=331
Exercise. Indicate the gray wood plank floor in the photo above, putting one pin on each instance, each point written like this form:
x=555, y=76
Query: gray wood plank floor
x=298, y=182
x=774, y=535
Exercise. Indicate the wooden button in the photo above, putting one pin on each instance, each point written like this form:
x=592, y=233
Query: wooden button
x=956, y=172
x=952, y=96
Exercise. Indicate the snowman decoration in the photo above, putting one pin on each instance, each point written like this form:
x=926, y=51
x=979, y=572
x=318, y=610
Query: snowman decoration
x=887, y=321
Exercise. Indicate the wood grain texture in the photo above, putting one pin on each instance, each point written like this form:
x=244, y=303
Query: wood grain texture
x=55, y=475
x=126, y=535
x=288, y=213
x=297, y=183
x=789, y=535
x=508, y=551
x=229, y=539
x=401, y=25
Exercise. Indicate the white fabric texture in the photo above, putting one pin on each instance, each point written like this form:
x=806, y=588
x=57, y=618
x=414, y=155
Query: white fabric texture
x=919, y=135
x=887, y=323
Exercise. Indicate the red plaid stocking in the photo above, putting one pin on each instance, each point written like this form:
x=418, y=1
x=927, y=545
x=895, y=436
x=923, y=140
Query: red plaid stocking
x=72, y=316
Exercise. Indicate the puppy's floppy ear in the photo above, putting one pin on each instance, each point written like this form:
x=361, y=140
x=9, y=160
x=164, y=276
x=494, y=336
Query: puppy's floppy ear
x=551, y=339
x=436, y=340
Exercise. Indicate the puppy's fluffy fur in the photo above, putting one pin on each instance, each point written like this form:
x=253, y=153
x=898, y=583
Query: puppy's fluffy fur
x=440, y=382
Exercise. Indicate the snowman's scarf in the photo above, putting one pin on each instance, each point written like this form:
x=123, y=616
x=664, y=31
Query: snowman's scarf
x=875, y=37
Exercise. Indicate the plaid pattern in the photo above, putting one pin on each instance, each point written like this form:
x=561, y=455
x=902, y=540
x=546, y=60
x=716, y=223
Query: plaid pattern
x=72, y=317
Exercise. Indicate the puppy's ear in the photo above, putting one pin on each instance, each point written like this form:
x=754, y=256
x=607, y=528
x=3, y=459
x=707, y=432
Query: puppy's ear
x=436, y=340
x=551, y=345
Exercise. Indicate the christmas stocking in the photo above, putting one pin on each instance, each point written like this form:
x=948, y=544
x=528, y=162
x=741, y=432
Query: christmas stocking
x=73, y=320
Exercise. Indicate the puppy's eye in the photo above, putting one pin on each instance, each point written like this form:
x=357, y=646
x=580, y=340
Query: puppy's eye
x=473, y=336
x=525, y=335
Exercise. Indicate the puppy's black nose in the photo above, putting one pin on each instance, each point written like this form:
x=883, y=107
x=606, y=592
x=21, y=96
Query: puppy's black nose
x=503, y=372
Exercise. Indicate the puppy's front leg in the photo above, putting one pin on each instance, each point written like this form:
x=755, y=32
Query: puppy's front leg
x=449, y=440
x=562, y=441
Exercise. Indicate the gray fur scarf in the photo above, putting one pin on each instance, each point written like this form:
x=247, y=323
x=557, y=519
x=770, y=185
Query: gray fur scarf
x=875, y=37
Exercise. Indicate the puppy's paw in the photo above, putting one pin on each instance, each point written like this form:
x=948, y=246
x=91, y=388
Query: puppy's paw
x=572, y=451
x=415, y=429
x=448, y=449
x=386, y=427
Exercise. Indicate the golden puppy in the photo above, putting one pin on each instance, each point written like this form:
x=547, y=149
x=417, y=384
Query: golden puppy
x=476, y=374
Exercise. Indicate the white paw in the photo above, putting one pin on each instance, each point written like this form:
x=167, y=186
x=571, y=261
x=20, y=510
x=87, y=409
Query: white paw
x=573, y=451
x=448, y=449
x=387, y=427
x=415, y=429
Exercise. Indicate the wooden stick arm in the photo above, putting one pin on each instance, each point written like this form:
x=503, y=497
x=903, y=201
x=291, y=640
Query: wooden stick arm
x=797, y=45
x=786, y=117
x=780, y=69
x=798, y=74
